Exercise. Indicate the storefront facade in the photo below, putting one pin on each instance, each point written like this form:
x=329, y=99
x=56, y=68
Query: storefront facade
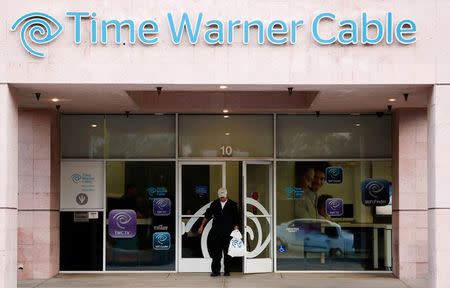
x=136, y=162
x=142, y=110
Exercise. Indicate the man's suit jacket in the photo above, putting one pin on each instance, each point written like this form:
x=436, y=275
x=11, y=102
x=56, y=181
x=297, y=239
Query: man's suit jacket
x=224, y=219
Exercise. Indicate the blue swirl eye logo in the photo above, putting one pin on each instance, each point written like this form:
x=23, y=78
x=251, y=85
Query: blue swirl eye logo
x=161, y=238
x=375, y=192
x=237, y=243
x=76, y=178
x=334, y=175
x=37, y=28
x=161, y=241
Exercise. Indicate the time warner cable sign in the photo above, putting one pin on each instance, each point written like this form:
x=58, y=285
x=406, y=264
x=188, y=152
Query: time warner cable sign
x=39, y=28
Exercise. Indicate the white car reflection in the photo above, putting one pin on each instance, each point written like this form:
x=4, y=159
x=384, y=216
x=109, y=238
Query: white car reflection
x=314, y=235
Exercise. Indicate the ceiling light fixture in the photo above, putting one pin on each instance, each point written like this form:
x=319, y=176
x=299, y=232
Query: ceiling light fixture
x=55, y=100
x=225, y=110
x=392, y=100
x=94, y=125
x=223, y=86
x=227, y=134
x=226, y=116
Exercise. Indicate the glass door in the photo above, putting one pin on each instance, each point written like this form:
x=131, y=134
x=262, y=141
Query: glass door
x=199, y=182
x=258, y=221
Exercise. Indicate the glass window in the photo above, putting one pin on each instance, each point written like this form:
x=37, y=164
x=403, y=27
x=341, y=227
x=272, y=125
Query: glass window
x=140, y=231
x=82, y=136
x=333, y=136
x=199, y=187
x=226, y=135
x=326, y=215
x=259, y=218
x=140, y=136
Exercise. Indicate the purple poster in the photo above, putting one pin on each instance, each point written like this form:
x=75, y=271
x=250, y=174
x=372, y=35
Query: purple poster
x=161, y=206
x=122, y=223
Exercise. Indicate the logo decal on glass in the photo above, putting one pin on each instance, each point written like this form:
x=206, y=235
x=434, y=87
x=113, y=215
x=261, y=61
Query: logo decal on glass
x=161, y=227
x=37, y=28
x=334, y=175
x=375, y=192
x=293, y=193
x=201, y=191
x=282, y=249
x=122, y=223
x=82, y=199
x=161, y=241
x=76, y=178
x=293, y=229
x=155, y=192
x=161, y=207
x=334, y=207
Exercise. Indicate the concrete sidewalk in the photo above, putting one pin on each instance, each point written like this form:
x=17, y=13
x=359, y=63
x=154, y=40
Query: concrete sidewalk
x=235, y=280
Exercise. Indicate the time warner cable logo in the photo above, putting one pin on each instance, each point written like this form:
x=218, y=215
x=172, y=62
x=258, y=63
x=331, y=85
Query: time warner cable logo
x=76, y=178
x=38, y=28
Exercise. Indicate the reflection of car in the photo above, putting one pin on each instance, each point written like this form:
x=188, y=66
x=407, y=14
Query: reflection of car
x=315, y=235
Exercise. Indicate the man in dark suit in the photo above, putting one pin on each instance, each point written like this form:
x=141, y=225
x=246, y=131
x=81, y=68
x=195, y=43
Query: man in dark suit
x=224, y=213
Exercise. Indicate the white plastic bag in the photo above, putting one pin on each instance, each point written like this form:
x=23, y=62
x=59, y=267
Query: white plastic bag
x=236, y=234
x=236, y=248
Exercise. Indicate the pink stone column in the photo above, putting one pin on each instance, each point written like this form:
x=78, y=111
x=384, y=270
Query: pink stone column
x=8, y=187
x=38, y=231
x=438, y=186
x=409, y=216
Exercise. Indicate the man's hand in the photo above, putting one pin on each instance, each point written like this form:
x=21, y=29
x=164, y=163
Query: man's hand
x=200, y=229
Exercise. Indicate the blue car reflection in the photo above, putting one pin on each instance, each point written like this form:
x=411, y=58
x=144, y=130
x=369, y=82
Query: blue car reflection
x=315, y=235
